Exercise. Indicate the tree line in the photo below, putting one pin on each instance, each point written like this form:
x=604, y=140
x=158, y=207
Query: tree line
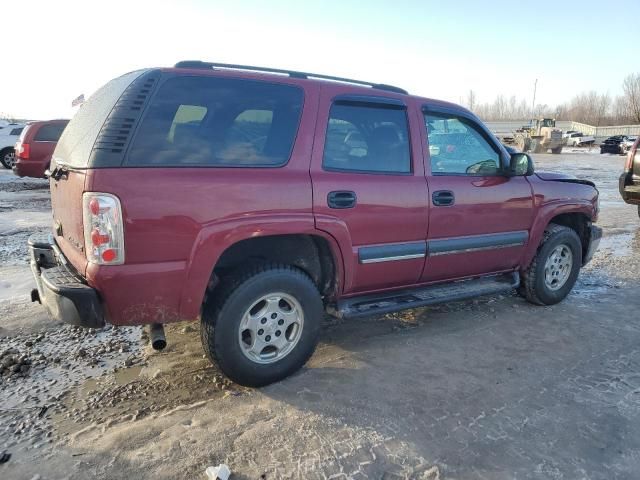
x=593, y=108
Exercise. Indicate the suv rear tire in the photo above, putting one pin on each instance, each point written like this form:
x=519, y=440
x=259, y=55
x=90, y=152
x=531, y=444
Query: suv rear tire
x=262, y=324
x=555, y=268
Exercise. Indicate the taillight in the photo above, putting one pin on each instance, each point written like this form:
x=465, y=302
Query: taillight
x=103, y=229
x=23, y=150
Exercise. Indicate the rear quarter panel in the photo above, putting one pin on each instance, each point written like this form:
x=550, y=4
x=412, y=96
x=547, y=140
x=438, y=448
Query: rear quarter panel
x=178, y=221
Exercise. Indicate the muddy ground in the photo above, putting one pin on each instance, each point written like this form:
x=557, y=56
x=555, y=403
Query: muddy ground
x=491, y=388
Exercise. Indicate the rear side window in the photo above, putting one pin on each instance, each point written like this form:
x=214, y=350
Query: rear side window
x=365, y=138
x=50, y=132
x=16, y=131
x=77, y=140
x=204, y=121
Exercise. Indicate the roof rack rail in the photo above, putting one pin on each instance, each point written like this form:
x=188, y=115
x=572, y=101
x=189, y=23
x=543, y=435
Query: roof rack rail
x=197, y=64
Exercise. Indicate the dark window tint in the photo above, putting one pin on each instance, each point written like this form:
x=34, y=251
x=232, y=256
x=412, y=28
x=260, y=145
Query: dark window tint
x=16, y=131
x=367, y=138
x=77, y=140
x=50, y=132
x=221, y=122
x=456, y=147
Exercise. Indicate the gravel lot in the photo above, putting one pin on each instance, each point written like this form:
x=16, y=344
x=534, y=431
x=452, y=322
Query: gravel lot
x=491, y=388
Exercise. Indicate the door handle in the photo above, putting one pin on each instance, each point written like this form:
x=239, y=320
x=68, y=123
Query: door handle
x=341, y=199
x=443, y=198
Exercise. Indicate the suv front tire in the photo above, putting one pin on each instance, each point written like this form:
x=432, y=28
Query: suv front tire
x=555, y=268
x=262, y=324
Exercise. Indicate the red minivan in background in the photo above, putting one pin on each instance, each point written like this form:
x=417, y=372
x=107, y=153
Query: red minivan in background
x=35, y=146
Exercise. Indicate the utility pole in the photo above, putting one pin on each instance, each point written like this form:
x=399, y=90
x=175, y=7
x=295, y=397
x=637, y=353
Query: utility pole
x=533, y=104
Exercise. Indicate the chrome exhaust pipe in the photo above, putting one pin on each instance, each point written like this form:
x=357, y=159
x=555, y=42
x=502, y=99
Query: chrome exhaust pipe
x=158, y=340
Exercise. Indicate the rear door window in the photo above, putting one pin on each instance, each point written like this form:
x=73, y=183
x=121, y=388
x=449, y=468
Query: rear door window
x=368, y=139
x=204, y=121
x=50, y=132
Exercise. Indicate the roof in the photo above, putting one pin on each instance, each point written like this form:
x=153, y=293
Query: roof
x=199, y=65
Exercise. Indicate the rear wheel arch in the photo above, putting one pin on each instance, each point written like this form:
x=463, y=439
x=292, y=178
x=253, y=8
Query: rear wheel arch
x=313, y=254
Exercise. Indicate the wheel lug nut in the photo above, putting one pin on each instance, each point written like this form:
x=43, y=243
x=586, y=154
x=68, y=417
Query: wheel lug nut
x=268, y=338
x=260, y=332
x=263, y=321
x=278, y=333
x=280, y=322
x=274, y=315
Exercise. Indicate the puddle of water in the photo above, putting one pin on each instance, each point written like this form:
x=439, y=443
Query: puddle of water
x=56, y=377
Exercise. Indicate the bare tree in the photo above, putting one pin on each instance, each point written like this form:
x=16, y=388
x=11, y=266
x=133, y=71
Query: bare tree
x=603, y=106
x=621, y=113
x=471, y=100
x=590, y=107
x=631, y=88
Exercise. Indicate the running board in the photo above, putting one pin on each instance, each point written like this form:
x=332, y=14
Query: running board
x=420, y=297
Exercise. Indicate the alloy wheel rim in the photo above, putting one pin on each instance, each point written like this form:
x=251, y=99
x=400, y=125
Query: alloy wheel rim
x=557, y=268
x=10, y=159
x=271, y=328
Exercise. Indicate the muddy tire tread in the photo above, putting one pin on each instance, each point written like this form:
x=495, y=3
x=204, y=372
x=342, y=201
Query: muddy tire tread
x=528, y=279
x=217, y=299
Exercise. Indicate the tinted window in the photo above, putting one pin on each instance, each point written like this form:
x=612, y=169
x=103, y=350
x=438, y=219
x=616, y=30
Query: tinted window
x=204, y=121
x=457, y=147
x=16, y=131
x=50, y=132
x=77, y=140
x=367, y=139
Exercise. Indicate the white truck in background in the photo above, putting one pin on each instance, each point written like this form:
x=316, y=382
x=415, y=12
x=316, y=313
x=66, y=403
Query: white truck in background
x=578, y=139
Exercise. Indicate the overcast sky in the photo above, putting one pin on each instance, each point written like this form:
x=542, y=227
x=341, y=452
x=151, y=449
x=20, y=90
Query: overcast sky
x=56, y=50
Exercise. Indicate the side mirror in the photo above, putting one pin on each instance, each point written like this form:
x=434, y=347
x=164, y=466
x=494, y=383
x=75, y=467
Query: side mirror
x=520, y=165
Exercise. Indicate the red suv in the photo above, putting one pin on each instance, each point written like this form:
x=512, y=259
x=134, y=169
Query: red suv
x=35, y=146
x=255, y=200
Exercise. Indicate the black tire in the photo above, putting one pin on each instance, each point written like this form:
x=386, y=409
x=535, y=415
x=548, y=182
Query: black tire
x=556, y=150
x=4, y=157
x=533, y=285
x=224, y=311
x=638, y=210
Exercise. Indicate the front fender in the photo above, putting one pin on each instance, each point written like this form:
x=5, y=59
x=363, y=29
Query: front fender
x=214, y=239
x=545, y=215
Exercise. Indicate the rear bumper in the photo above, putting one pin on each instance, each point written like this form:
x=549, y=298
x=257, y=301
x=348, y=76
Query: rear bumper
x=611, y=149
x=63, y=293
x=594, y=240
x=29, y=169
x=629, y=191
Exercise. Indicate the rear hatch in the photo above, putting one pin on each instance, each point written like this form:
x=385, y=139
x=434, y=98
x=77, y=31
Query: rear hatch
x=84, y=144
